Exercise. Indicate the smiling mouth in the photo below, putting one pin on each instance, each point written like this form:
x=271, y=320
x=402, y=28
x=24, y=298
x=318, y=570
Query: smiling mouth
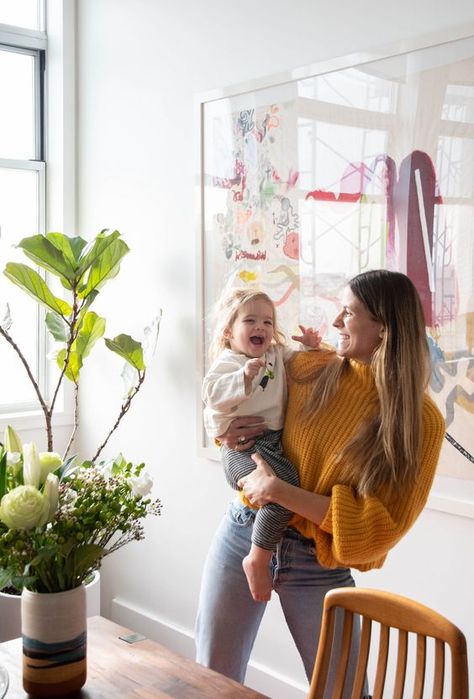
x=256, y=340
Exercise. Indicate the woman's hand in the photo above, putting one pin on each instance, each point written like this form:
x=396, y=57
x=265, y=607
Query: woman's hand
x=262, y=486
x=241, y=433
x=259, y=486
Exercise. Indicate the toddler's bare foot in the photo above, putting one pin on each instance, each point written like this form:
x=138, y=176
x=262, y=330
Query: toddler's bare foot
x=258, y=578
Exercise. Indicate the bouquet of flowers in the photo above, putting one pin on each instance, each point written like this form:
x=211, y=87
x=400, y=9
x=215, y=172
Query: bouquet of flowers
x=59, y=519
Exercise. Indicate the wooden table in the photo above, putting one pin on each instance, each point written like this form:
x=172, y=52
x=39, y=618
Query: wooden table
x=142, y=670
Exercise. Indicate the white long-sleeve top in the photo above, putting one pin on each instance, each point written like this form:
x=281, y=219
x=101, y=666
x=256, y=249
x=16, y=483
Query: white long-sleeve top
x=223, y=390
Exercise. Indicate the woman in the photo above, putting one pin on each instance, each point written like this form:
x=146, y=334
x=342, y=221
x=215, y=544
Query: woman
x=365, y=439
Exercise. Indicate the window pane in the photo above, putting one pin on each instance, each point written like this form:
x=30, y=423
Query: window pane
x=18, y=219
x=23, y=13
x=17, y=133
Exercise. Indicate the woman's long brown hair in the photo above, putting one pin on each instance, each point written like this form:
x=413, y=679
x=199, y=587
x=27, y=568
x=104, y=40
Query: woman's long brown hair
x=385, y=453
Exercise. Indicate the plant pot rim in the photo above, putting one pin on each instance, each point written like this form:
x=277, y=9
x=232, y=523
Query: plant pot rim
x=10, y=595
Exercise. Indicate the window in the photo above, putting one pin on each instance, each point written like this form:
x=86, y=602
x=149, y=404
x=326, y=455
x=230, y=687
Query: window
x=22, y=189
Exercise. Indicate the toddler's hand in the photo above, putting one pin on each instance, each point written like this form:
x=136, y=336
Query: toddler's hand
x=309, y=338
x=252, y=367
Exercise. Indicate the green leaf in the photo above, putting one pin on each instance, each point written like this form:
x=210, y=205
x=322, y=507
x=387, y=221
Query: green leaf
x=105, y=266
x=46, y=255
x=87, y=555
x=66, y=468
x=5, y=318
x=92, y=328
x=3, y=474
x=34, y=285
x=129, y=349
x=150, y=338
x=56, y=326
x=5, y=578
x=95, y=248
x=73, y=366
x=70, y=247
x=131, y=379
x=44, y=554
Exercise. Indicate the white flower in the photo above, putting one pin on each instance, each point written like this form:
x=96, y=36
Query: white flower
x=141, y=485
x=49, y=461
x=50, y=491
x=13, y=459
x=12, y=440
x=31, y=465
x=24, y=507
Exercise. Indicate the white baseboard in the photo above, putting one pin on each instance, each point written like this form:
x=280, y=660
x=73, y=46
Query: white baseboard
x=177, y=638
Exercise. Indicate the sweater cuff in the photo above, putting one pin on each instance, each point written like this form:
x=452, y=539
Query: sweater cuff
x=326, y=524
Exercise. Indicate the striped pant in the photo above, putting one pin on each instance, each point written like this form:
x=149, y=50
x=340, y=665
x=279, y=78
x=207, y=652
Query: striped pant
x=272, y=519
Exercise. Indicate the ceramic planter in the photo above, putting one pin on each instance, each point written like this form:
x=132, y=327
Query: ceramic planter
x=10, y=609
x=54, y=631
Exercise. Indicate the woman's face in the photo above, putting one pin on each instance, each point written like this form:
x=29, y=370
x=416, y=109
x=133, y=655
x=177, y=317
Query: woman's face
x=359, y=333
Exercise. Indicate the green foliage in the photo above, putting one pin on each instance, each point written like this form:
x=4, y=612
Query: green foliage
x=101, y=508
x=3, y=473
x=126, y=347
x=30, y=281
x=82, y=268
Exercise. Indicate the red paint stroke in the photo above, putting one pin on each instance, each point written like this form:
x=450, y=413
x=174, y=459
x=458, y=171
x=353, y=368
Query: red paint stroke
x=407, y=209
x=291, y=246
x=292, y=178
x=323, y=195
x=286, y=295
x=244, y=255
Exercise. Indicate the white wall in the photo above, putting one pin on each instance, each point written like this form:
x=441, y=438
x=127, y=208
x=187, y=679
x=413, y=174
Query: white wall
x=140, y=65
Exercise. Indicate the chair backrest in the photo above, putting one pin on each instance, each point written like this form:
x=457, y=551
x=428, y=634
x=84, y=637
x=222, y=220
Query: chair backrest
x=390, y=611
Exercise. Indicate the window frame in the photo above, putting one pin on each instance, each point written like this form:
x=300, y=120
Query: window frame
x=54, y=161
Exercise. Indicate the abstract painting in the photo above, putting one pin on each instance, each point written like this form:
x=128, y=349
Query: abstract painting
x=307, y=182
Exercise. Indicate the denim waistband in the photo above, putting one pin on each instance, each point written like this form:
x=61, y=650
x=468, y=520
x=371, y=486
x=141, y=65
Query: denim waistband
x=292, y=533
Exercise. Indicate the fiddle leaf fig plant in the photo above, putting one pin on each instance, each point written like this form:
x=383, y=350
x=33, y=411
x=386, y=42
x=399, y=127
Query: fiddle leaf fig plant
x=82, y=269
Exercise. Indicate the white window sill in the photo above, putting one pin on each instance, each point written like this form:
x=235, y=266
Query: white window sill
x=34, y=419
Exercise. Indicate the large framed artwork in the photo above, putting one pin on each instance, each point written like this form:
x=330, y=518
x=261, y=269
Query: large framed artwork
x=351, y=165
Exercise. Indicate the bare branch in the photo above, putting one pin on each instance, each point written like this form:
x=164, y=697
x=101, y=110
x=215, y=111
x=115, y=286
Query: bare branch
x=47, y=411
x=76, y=419
x=123, y=410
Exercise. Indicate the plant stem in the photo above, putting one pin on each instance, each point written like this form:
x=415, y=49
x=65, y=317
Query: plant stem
x=72, y=337
x=76, y=419
x=124, y=409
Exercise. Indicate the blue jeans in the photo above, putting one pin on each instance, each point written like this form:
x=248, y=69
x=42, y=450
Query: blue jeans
x=228, y=618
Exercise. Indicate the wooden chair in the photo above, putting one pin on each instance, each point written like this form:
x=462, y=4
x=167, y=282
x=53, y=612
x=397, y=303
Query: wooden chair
x=391, y=612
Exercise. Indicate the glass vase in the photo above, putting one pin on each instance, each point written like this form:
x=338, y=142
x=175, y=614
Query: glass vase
x=54, y=630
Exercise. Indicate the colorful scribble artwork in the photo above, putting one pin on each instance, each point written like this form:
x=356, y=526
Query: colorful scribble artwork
x=310, y=182
x=256, y=230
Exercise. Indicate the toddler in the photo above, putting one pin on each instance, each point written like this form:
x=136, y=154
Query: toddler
x=247, y=377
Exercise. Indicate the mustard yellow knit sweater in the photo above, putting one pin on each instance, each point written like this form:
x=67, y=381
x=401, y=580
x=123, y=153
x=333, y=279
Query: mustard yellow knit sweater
x=357, y=531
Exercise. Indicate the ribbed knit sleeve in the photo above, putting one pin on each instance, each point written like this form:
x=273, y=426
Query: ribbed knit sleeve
x=357, y=531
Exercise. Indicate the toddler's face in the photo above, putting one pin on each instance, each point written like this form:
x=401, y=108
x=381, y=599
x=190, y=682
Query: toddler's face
x=252, y=331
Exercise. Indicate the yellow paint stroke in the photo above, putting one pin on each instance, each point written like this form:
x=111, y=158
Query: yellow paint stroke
x=290, y=278
x=287, y=272
x=247, y=276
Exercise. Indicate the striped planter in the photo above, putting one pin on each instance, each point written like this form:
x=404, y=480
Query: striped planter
x=54, y=630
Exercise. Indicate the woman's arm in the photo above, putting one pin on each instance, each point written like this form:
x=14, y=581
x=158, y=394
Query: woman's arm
x=262, y=486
